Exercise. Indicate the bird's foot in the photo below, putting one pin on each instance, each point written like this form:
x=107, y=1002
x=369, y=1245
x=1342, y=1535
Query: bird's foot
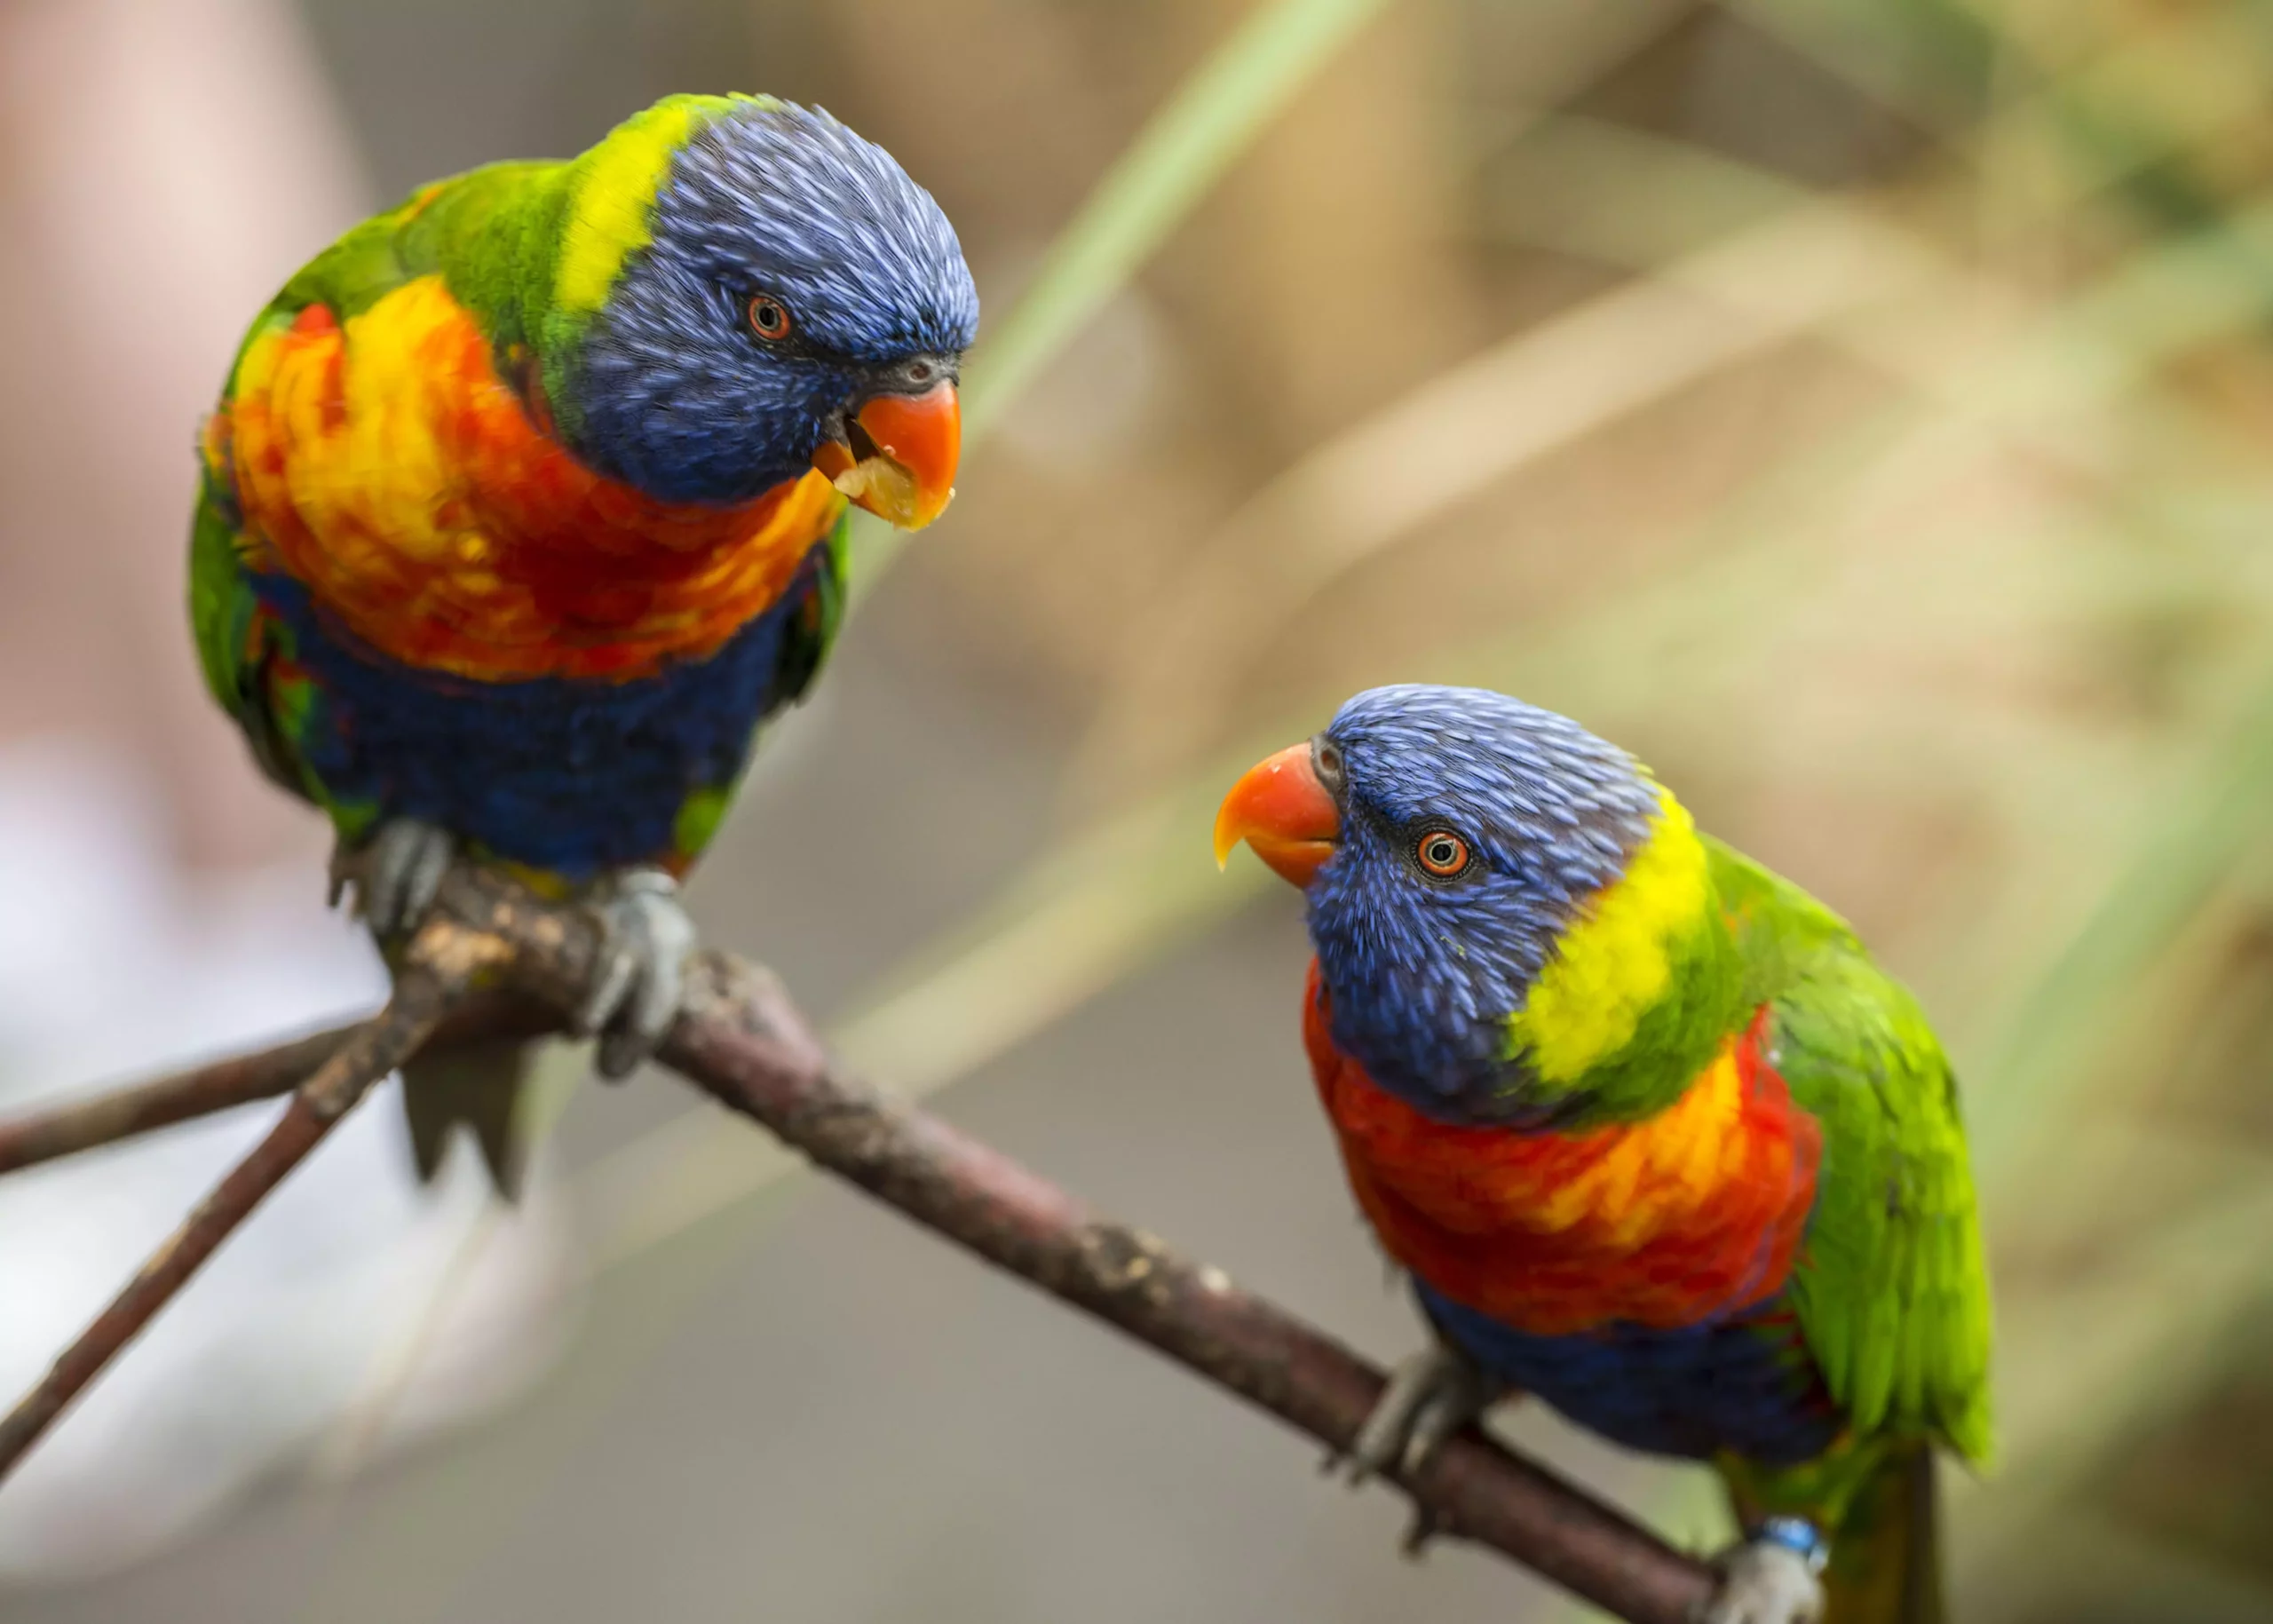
x=396, y=873
x=1771, y=1578
x=641, y=976
x=1430, y=1397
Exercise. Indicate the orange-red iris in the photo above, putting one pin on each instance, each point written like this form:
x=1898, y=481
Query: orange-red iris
x=769, y=317
x=1442, y=853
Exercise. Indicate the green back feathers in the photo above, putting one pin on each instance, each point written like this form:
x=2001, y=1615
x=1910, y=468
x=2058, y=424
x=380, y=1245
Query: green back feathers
x=531, y=249
x=1891, y=1288
x=534, y=250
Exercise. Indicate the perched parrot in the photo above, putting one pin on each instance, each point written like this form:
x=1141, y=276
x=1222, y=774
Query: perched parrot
x=1654, y=1138
x=524, y=506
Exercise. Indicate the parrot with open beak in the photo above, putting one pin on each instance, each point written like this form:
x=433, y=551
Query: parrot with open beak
x=525, y=506
x=1654, y=1138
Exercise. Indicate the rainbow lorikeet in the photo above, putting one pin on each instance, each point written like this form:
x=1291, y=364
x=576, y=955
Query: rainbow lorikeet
x=524, y=505
x=1654, y=1138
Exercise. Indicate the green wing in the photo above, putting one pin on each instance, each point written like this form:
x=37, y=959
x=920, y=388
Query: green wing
x=1891, y=1289
x=234, y=649
x=812, y=633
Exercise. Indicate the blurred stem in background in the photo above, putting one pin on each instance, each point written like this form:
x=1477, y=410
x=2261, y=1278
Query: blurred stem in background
x=1181, y=152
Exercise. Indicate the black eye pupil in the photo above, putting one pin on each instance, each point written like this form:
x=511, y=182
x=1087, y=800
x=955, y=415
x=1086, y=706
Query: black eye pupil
x=1443, y=854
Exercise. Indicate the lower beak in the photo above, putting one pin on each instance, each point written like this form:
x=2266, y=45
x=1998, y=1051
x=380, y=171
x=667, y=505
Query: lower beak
x=898, y=459
x=1283, y=811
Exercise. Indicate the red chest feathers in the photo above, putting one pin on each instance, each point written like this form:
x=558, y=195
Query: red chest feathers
x=384, y=463
x=1697, y=1212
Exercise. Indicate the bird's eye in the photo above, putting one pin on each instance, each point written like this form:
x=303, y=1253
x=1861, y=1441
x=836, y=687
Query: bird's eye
x=769, y=317
x=1442, y=853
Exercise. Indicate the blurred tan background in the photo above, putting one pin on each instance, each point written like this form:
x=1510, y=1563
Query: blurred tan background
x=1858, y=407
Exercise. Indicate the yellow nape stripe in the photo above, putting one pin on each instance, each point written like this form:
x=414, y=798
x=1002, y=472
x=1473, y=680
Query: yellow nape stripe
x=614, y=188
x=1616, y=958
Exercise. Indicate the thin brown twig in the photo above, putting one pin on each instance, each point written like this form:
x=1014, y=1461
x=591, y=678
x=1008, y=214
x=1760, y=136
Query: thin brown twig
x=46, y=1133
x=439, y=967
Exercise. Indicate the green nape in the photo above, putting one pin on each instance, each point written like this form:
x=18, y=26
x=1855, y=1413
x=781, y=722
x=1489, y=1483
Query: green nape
x=531, y=249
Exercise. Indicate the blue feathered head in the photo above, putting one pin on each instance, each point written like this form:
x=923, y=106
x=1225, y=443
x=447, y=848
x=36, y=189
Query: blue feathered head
x=754, y=291
x=1488, y=883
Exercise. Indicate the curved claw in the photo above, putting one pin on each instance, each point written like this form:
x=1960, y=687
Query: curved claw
x=1430, y=1397
x=641, y=978
x=1766, y=1581
x=397, y=873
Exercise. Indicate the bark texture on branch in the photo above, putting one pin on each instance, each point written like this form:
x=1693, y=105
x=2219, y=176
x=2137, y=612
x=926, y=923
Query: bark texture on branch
x=741, y=1040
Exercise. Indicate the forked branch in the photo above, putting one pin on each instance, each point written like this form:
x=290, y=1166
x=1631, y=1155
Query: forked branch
x=438, y=968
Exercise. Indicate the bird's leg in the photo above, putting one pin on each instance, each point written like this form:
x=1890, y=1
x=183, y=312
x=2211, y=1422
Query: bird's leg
x=396, y=873
x=1772, y=1577
x=641, y=976
x=1430, y=1397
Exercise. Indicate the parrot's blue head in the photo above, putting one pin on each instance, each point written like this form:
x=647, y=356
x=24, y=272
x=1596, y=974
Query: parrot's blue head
x=748, y=290
x=1503, y=905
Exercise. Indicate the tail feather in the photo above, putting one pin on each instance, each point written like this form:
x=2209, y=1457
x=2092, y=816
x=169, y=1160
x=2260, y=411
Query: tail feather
x=481, y=1086
x=1885, y=1563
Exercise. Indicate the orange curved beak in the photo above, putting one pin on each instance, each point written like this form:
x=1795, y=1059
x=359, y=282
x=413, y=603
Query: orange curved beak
x=1281, y=810
x=901, y=464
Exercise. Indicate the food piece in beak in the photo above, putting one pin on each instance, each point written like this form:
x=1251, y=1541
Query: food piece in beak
x=898, y=458
x=1284, y=811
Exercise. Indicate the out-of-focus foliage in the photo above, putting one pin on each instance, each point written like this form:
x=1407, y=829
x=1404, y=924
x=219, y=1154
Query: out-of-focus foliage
x=1860, y=410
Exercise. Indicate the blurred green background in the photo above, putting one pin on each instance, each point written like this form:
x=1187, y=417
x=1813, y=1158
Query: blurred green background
x=1860, y=410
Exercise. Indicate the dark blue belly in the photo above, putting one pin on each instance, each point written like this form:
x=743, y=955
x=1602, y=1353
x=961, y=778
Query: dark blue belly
x=568, y=775
x=1747, y=1386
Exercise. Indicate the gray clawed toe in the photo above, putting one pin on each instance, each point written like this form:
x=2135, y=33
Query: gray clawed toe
x=641, y=976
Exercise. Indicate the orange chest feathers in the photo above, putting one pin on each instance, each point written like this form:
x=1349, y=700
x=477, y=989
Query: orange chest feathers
x=1696, y=1212
x=383, y=463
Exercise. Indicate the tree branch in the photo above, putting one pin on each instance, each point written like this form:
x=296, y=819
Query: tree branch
x=437, y=968
x=83, y=1124
x=739, y=1038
